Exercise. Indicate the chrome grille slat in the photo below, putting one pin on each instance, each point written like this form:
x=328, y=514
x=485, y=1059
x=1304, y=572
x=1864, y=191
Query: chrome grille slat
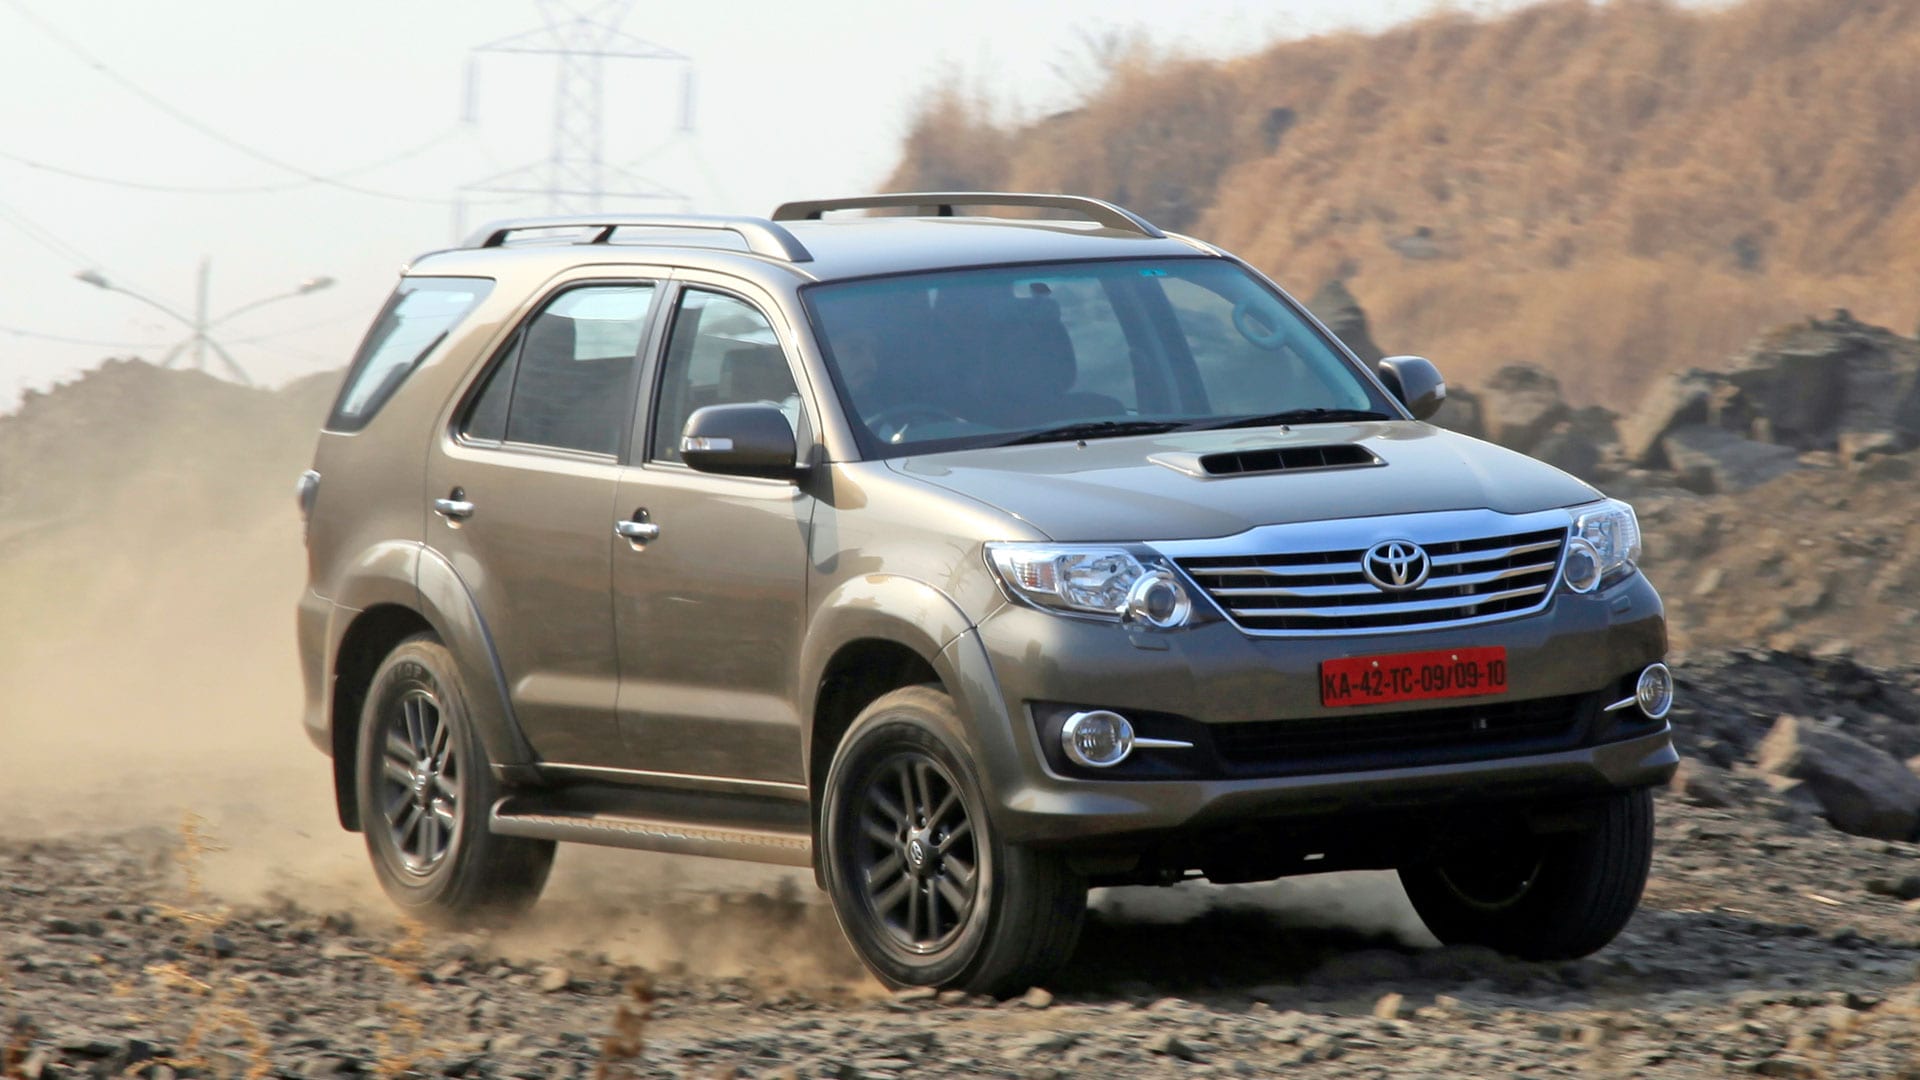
x=1402, y=608
x=1310, y=570
x=1498, y=553
x=1362, y=588
x=1308, y=579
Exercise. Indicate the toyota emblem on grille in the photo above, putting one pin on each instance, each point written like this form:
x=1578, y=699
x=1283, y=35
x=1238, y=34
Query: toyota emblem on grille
x=1396, y=565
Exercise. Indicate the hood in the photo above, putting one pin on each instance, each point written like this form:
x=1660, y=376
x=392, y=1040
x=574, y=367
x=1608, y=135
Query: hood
x=1151, y=488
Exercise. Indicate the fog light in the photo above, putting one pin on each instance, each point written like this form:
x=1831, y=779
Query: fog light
x=1097, y=739
x=1582, y=567
x=1654, y=693
x=1158, y=600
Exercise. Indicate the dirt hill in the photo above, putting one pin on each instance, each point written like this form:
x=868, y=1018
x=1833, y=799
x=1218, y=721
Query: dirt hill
x=1610, y=191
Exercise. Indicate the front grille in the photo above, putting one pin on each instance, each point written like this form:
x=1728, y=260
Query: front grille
x=1328, y=592
x=1386, y=740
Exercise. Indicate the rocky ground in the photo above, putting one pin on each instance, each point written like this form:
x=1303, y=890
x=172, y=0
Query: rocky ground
x=1769, y=943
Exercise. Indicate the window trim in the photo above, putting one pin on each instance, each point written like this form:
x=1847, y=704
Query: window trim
x=640, y=442
x=508, y=351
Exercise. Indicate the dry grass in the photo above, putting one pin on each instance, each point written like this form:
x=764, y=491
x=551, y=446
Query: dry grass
x=1613, y=190
x=623, y=1046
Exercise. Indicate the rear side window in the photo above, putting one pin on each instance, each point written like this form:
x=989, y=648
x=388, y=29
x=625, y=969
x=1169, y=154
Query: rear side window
x=417, y=316
x=564, y=380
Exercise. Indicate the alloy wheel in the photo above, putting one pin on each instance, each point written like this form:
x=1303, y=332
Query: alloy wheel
x=420, y=782
x=915, y=852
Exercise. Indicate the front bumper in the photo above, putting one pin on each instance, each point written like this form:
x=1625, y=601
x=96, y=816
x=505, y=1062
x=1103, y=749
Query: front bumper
x=1579, y=648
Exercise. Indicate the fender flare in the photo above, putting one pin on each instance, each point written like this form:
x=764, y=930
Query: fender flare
x=867, y=608
x=449, y=607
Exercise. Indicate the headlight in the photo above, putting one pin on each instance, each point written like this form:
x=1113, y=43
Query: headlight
x=1092, y=580
x=1607, y=534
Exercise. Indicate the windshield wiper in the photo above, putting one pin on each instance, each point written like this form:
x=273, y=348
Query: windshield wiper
x=1290, y=416
x=1095, y=429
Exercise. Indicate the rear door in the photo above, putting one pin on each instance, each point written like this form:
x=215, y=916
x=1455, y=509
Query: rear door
x=709, y=609
x=522, y=488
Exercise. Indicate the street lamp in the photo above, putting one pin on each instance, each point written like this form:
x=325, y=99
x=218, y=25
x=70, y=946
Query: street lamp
x=201, y=339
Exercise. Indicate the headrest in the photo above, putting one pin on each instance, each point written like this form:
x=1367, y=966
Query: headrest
x=754, y=373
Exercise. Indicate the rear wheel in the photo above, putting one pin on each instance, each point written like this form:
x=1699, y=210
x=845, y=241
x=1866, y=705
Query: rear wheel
x=1555, y=898
x=425, y=790
x=925, y=889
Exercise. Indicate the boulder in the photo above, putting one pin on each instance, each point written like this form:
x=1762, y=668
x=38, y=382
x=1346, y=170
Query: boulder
x=1462, y=412
x=1336, y=307
x=1710, y=460
x=1566, y=449
x=1862, y=790
x=1684, y=399
x=1813, y=381
x=1521, y=404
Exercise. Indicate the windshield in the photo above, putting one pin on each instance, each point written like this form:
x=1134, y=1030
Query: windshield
x=964, y=358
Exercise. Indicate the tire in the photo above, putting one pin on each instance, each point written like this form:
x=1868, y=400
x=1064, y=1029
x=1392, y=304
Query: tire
x=425, y=788
x=1562, y=897
x=966, y=910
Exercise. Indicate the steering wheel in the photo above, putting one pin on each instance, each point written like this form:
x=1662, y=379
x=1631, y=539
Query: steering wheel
x=1253, y=330
x=891, y=423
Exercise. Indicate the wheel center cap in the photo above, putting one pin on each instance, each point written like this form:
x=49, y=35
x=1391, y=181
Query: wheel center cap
x=917, y=853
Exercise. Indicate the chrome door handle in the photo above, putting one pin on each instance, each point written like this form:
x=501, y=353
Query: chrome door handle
x=637, y=530
x=453, y=509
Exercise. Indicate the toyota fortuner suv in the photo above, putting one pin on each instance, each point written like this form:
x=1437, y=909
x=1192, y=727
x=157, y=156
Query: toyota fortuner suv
x=971, y=561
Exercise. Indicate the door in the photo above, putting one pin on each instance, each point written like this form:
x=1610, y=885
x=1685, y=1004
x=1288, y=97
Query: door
x=522, y=489
x=709, y=598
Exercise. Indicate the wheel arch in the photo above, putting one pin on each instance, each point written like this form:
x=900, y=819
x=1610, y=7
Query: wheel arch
x=873, y=634
x=440, y=604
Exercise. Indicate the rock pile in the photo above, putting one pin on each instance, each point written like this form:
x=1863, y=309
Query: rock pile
x=1826, y=392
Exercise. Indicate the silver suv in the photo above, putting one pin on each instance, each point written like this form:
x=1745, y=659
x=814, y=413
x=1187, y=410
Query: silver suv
x=970, y=561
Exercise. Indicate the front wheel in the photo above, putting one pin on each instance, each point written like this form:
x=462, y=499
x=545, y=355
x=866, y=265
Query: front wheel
x=926, y=890
x=1554, y=898
x=425, y=790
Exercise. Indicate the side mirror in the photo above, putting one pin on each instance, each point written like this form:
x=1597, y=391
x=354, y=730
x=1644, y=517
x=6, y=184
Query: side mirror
x=1416, y=382
x=740, y=440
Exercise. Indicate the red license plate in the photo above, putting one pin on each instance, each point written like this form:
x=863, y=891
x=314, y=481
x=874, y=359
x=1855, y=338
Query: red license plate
x=1417, y=676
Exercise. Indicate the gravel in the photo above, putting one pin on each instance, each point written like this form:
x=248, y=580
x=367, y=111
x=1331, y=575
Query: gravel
x=1768, y=943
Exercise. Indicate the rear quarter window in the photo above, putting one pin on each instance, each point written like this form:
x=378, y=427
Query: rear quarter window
x=416, y=318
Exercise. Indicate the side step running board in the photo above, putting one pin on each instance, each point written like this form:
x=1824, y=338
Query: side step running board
x=514, y=816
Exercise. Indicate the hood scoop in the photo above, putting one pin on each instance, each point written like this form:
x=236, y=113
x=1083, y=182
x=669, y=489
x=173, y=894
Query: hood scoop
x=1270, y=460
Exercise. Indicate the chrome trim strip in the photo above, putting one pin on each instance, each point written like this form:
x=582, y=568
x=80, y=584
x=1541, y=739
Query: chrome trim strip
x=1160, y=744
x=1444, y=603
x=686, y=781
x=1359, y=534
x=1496, y=553
x=1454, y=581
x=1624, y=703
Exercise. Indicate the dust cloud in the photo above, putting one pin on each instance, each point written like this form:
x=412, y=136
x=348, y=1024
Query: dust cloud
x=148, y=672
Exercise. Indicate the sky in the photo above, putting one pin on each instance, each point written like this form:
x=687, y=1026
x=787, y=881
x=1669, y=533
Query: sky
x=283, y=142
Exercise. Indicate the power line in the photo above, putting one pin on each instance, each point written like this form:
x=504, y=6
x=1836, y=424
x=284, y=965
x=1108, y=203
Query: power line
x=15, y=331
x=210, y=132
x=44, y=238
x=240, y=189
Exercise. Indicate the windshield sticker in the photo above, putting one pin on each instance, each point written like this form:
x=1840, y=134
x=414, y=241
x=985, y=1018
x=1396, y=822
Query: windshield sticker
x=1152, y=271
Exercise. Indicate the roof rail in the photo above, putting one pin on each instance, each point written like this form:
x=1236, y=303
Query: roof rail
x=941, y=204
x=762, y=237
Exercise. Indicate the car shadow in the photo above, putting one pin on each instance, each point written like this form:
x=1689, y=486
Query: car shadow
x=1335, y=953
